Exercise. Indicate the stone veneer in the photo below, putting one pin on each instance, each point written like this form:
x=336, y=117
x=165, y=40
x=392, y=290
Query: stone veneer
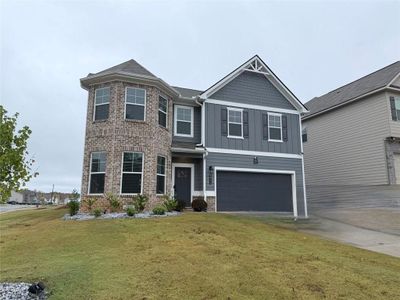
x=116, y=135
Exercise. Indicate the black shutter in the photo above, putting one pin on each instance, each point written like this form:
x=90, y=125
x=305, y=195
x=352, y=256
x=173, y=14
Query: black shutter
x=393, y=108
x=265, y=126
x=284, y=129
x=245, y=124
x=224, y=123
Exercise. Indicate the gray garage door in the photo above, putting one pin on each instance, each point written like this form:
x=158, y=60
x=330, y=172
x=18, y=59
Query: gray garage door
x=242, y=191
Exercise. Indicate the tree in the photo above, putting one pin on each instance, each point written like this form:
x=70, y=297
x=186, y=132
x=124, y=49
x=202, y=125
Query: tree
x=15, y=167
x=74, y=195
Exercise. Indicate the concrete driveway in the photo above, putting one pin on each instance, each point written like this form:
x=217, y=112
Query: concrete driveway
x=9, y=207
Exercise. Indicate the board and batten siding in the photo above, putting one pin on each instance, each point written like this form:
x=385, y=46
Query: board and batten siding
x=255, y=141
x=269, y=163
x=394, y=125
x=196, y=139
x=346, y=146
x=252, y=88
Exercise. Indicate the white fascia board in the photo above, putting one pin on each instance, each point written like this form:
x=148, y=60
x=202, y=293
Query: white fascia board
x=254, y=153
x=251, y=106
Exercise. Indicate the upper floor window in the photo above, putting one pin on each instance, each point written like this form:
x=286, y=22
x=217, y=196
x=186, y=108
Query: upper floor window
x=162, y=111
x=132, y=173
x=101, y=103
x=160, y=175
x=304, y=134
x=183, y=121
x=135, y=104
x=275, y=127
x=97, y=172
x=235, y=123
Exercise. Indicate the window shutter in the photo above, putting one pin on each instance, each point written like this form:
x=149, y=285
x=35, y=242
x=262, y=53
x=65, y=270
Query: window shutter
x=393, y=108
x=265, y=126
x=284, y=129
x=224, y=122
x=245, y=124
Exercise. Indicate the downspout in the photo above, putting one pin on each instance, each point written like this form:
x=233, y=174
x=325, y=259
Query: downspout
x=202, y=144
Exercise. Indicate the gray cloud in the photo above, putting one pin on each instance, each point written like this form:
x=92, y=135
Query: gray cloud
x=47, y=46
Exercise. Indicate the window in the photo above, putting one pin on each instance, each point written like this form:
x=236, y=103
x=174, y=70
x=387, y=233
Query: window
x=160, y=175
x=135, y=104
x=132, y=173
x=183, y=121
x=275, y=127
x=304, y=135
x=97, y=172
x=162, y=111
x=101, y=103
x=235, y=125
x=397, y=107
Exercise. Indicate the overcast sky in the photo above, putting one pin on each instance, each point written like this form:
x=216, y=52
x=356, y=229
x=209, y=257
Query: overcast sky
x=46, y=46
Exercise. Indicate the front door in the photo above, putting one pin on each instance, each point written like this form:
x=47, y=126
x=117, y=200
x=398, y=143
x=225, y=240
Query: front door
x=182, y=187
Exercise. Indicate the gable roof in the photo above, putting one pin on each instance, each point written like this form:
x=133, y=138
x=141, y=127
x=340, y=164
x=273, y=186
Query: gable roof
x=370, y=83
x=257, y=65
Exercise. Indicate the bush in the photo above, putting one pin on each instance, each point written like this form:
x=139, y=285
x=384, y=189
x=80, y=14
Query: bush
x=97, y=212
x=73, y=207
x=89, y=203
x=170, y=203
x=159, y=210
x=139, y=202
x=199, y=205
x=181, y=205
x=114, y=203
x=131, y=211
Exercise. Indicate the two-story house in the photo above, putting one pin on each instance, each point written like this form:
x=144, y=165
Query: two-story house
x=237, y=144
x=352, y=138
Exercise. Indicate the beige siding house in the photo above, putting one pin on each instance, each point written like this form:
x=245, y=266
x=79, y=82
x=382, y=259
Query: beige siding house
x=353, y=133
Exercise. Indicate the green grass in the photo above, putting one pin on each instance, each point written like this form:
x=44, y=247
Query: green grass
x=192, y=256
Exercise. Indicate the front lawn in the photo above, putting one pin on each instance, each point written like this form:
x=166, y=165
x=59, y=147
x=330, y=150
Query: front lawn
x=192, y=256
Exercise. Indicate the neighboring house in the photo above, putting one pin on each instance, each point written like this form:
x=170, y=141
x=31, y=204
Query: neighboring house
x=30, y=196
x=16, y=197
x=353, y=133
x=237, y=145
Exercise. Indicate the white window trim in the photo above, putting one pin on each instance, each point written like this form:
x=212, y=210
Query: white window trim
x=241, y=118
x=166, y=112
x=122, y=174
x=183, y=165
x=191, y=121
x=269, y=132
x=165, y=175
x=90, y=173
x=126, y=103
x=95, y=105
x=395, y=107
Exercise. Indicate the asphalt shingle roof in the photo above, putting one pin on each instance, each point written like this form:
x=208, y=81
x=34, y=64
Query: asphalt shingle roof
x=131, y=66
x=188, y=93
x=364, y=85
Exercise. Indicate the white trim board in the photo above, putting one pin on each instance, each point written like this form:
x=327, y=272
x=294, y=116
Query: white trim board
x=254, y=153
x=266, y=171
x=184, y=165
x=251, y=106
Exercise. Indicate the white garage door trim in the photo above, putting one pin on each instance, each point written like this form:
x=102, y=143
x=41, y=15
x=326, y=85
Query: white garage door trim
x=247, y=170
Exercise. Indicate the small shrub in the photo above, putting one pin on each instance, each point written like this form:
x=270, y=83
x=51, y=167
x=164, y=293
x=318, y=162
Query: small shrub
x=89, y=203
x=170, y=203
x=139, y=202
x=131, y=211
x=199, y=205
x=181, y=205
x=73, y=207
x=97, y=212
x=114, y=203
x=159, y=210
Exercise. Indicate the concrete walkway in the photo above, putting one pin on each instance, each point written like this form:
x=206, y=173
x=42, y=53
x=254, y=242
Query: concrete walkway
x=9, y=207
x=359, y=237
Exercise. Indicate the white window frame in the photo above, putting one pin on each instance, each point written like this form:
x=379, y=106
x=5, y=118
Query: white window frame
x=397, y=99
x=126, y=103
x=165, y=175
x=269, y=127
x=95, y=105
x=124, y=172
x=241, y=123
x=165, y=112
x=176, y=120
x=90, y=172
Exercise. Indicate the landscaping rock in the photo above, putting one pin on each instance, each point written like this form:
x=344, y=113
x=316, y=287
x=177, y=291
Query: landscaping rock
x=142, y=215
x=18, y=291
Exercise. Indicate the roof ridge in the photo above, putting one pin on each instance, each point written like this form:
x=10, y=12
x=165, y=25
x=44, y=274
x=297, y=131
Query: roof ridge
x=135, y=61
x=351, y=82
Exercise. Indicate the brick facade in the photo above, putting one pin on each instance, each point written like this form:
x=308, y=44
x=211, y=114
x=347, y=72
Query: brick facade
x=116, y=135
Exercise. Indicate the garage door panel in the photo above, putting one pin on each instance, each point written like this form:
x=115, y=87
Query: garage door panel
x=242, y=191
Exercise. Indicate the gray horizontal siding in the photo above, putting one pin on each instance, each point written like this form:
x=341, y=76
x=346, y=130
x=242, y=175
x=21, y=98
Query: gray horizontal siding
x=198, y=175
x=196, y=139
x=271, y=163
x=255, y=141
x=252, y=88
